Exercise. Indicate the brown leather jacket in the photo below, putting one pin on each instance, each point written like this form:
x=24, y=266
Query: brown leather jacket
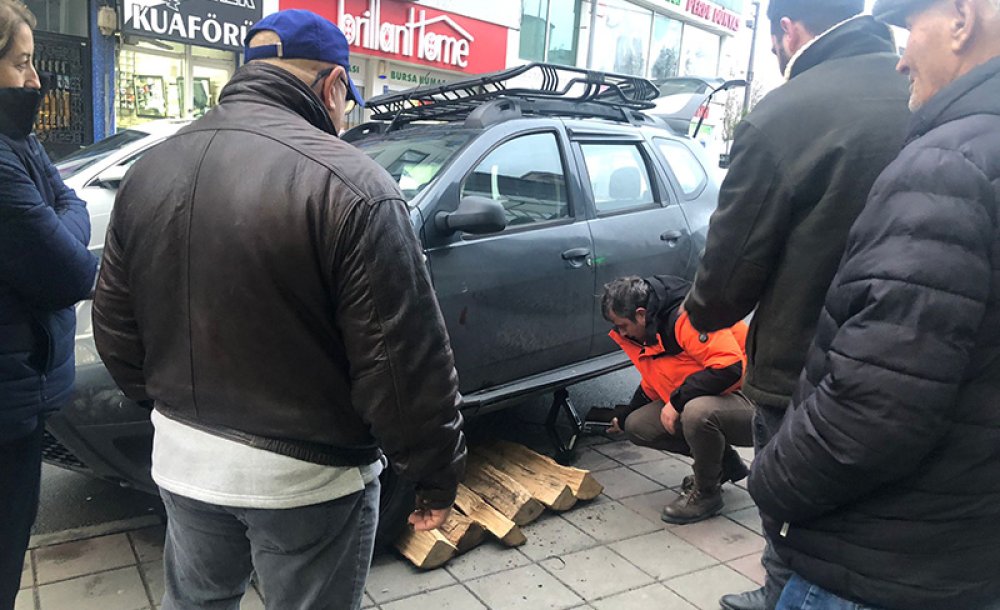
x=262, y=280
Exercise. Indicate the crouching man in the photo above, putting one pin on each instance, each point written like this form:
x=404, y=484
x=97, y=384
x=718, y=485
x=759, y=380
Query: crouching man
x=688, y=400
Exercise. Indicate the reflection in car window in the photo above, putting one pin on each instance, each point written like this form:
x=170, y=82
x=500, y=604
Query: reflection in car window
x=691, y=176
x=82, y=159
x=525, y=175
x=414, y=158
x=618, y=176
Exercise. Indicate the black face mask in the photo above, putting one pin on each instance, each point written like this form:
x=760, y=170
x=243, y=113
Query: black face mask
x=18, y=110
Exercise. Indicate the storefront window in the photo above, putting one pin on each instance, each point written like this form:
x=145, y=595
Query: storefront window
x=735, y=6
x=153, y=77
x=60, y=16
x=700, y=53
x=549, y=30
x=621, y=41
x=665, y=55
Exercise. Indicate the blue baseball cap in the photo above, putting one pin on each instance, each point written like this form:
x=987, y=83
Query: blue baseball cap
x=303, y=35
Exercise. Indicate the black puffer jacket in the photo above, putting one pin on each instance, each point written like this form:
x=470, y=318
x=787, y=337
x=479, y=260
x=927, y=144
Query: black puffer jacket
x=887, y=468
x=262, y=280
x=803, y=163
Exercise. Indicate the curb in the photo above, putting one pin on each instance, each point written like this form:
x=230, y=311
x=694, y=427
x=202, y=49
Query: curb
x=94, y=531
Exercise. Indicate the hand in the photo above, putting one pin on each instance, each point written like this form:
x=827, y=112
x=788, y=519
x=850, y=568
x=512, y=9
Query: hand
x=426, y=519
x=669, y=417
x=614, y=428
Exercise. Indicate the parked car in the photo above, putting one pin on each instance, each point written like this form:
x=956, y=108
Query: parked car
x=526, y=201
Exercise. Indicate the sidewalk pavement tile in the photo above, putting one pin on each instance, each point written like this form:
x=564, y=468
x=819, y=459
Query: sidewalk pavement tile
x=393, y=578
x=667, y=472
x=704, y=588
x=527, y=588
x=455, y=597
x=487, y=558
x=611, y=521
x=651, y=505
x=552, y=536
x=115, y=590
x=750, y=567
x=736, y=498
x=746, y=453
x=748, y=518
x=26, y=579
x=593, y=460
x=596, y=573
x=721, y=538
x=654, y=596
x=627, y=453
x=663, y=555
x=367, y=602
x=25, y=600
x=148, y=542
x=153, y=575
x=251, y=600
x=72, y=559
x=622, y=482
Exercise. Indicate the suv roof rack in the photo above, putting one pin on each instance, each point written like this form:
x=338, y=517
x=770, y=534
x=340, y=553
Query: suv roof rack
x=542, y=89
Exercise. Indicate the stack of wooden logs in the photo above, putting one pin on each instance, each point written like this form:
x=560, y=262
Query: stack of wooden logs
x=507, y=486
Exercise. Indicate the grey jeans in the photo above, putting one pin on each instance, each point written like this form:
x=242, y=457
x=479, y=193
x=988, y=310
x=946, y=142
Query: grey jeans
x=312, y=557
x=708, y=428
x=766, y=423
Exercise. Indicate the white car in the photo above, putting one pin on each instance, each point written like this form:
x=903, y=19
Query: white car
x=96, y=171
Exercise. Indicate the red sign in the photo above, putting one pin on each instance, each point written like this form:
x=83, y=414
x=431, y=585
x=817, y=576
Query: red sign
x=404, y=31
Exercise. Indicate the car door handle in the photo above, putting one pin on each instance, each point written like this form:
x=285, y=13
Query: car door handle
x=575, y=253
x=671, y=236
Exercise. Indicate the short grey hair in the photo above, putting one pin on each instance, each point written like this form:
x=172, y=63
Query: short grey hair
x=623, y=296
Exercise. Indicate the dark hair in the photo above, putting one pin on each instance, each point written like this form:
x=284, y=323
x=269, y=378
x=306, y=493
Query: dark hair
x=623, y=296
x=12, y=14
x=817, y=16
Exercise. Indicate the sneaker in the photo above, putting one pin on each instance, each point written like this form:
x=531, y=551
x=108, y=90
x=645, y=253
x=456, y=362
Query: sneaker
x=695, y=505
x=733, y=471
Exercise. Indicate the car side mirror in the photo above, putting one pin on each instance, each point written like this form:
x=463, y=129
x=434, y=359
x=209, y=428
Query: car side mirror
x=477, y=215
x=111, y=178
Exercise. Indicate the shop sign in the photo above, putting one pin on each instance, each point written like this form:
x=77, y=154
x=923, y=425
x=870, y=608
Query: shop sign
x=414, y=79
x=710, y=12
x=407, y=32
x=220, y=24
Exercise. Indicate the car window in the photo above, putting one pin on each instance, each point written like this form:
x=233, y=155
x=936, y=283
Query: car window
x=619, y=177
x=688, y=171
x=414, y=158
x=84, y=158
x=525, y=175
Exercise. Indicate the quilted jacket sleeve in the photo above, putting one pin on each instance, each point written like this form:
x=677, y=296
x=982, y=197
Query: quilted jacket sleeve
x=43, y=249
x=898, y=328
x=404, y=382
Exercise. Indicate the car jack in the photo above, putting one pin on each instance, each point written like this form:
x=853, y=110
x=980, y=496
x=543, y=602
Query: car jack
x=565, y=450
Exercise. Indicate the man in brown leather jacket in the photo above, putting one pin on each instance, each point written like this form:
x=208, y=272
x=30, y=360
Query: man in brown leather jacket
x=263, y=287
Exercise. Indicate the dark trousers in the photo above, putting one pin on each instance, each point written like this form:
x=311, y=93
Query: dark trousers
x=314, y=557
x=766, y=423
x=20, y=478
x=708, y=428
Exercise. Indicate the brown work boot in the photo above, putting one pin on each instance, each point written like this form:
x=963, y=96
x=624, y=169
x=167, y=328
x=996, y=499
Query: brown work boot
x=694, y=505
x=733, y=471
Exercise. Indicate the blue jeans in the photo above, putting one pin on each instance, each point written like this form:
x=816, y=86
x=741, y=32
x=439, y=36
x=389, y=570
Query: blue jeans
x=800, y=594
x=310, y=557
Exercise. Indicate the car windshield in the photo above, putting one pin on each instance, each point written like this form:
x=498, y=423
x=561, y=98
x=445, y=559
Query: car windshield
x=414, y=157
x=675, y=86
x=84, y=158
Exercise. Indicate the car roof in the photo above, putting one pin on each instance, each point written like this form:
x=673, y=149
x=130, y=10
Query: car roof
x=161, y=127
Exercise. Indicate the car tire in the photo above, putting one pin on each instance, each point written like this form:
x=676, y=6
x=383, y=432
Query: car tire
x=396, y=502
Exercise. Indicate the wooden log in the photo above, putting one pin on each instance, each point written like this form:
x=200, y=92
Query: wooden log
x=542, y=483
x=462, y=531
x=501, y=491
x=426, y=550
x=581, y=482
x=475, y=508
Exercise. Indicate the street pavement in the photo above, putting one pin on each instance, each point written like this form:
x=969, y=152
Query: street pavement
x=612, y=553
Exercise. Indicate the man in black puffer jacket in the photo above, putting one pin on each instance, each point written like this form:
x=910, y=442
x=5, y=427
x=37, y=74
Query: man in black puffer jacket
x=883, y=485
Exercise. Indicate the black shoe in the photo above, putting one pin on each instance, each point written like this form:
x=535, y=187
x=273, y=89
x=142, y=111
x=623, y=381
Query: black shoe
x=733, y=471
x=695, y=505
x=748, y=600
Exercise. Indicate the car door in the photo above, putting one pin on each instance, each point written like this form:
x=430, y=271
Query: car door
x=517, y=302
x=638, y=227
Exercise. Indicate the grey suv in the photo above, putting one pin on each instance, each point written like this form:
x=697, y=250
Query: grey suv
x=526, y=200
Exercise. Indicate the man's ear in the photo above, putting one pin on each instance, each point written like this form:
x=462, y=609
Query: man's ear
x=640, y=315
x=963, y=25
x=329, y=87
x=795, y=34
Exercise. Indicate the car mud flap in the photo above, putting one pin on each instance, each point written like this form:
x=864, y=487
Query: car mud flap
x=565, y=449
